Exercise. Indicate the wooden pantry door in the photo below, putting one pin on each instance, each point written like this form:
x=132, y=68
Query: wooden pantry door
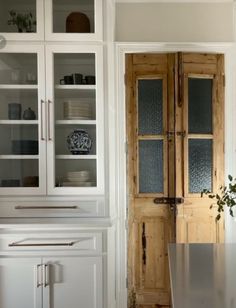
x=169, y=162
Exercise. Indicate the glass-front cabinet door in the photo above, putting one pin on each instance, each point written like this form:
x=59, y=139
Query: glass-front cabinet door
x=79, y=20
x=75, y=119
x=22, y=121
x=71, y=20
x=22, y=20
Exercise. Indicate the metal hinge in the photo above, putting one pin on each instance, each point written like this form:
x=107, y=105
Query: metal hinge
x=125, y=79
x=223, y=80
x=126, y=282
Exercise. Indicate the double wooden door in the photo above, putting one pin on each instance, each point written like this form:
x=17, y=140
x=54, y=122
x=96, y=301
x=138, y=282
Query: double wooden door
x=175, y=136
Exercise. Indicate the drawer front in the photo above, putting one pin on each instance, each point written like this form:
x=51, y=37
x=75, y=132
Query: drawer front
x=26, y=209
x=81, y=243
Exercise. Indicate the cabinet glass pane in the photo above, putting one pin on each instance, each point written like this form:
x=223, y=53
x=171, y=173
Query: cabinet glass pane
x=200, y=105
x=200, y=165
x=19, y=173
x=73, y=16
x=18, y=69
x=76, y=173
x=75, y=120
x=150, y=106
x=151, y=166
x=64, y=135
x=19, y=149
x=18, y=16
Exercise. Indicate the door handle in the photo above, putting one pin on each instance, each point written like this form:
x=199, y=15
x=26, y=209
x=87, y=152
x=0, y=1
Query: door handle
x=45, y=275
x=39, y=275
x=17, y=244
x=41, y=115
x=30, y=207
x=167, y=200
x=49, y=120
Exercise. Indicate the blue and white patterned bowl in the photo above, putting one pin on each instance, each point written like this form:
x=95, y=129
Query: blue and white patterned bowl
x=79, y=142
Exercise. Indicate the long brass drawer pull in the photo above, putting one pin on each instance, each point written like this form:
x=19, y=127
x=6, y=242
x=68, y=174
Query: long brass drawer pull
x=46, y=275
x=40, y=207
x=15, y=244
x=49, y=121
x=41, y=116
x=39, y=275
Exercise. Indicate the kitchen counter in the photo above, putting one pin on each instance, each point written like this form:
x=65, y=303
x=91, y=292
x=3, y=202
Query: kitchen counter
x=203, y=275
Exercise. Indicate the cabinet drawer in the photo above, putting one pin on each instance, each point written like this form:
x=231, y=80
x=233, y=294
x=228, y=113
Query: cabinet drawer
x=81, y=243
x=25, y=209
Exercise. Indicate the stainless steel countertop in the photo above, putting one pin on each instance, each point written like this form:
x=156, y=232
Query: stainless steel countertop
x=203, y=275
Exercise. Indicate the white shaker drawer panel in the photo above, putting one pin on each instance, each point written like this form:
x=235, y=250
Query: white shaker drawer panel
x=82, y=243
x=26, y=209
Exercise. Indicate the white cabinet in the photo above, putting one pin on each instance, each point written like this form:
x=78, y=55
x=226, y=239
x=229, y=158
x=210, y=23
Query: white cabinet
x=52, y=269
x=41, y=112
x=52, y=17
x=74, y=282
x=18, y=281
x=55, y=282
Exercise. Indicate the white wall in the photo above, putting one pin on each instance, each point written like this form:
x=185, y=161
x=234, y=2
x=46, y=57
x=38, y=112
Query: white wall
x=174, y=22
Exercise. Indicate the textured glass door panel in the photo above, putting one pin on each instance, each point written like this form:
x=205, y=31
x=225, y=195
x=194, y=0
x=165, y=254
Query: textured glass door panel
x=150, y=106
x=200, y=165
x=200, y=105
x=151, y=166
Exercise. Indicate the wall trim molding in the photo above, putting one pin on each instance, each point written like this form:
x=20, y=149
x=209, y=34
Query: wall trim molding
x=126, y=47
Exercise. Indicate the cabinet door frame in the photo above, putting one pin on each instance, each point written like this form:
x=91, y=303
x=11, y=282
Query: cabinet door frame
x=97, y=50
x=98, y=25
x=32, y=262
x=38, y=36
x=41, y=190
x=96, y=262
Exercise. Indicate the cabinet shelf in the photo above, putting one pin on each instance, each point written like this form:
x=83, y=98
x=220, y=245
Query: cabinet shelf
x=19, y=122
x=80, y=122
x=76, y=156
x=19, y=86
x=10, y=156
x=75, y=87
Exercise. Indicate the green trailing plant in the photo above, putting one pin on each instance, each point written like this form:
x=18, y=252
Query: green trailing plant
x=24, y=22
x=225, y=198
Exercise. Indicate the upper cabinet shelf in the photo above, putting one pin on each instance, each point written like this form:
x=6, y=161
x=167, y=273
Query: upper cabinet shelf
x=18, y=87
x=75, y=87
x=62, y=20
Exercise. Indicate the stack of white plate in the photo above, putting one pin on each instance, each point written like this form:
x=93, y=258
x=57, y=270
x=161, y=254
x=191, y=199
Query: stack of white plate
x=78, y=178
x=77, y=110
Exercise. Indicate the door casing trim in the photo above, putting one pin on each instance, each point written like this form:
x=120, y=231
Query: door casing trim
x=121, y=49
